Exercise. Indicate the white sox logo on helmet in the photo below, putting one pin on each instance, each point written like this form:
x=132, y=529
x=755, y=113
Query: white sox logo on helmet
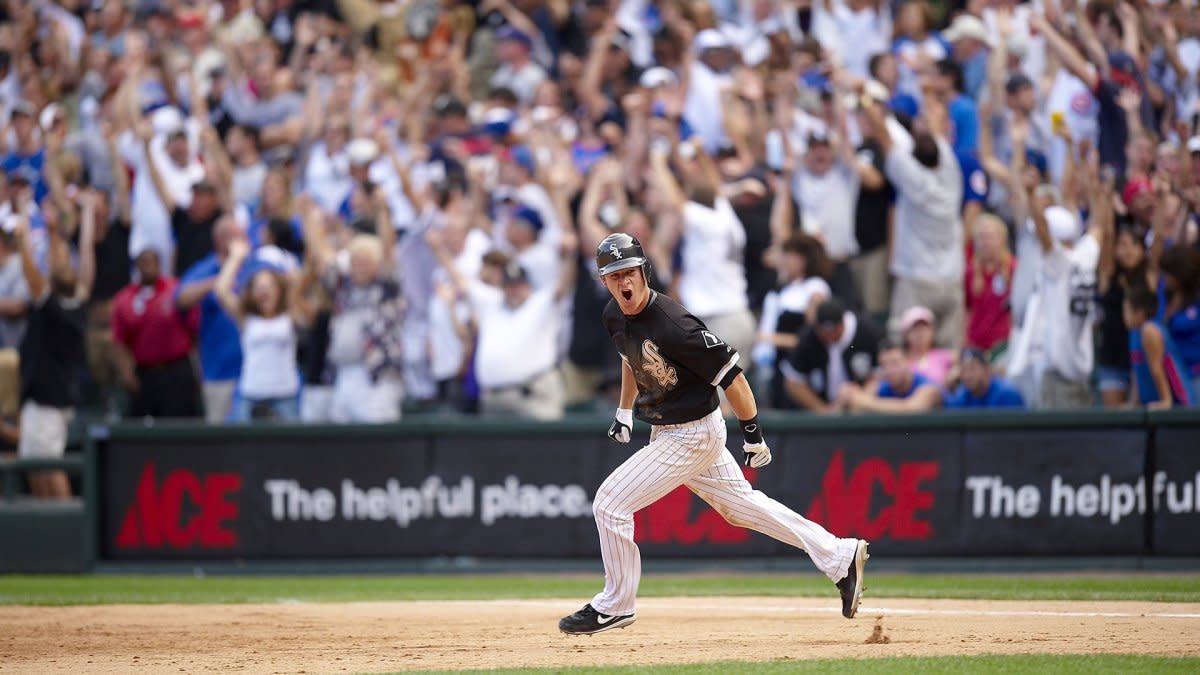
x=614, y=250
x=656, y=365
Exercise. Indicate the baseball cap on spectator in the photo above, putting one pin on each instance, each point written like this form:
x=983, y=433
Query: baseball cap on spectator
x=657, y=77
x=1017, y=82
x=530, y=217
x=1063, y=225
x=830, y=313
x=1134, y=188
x=913, y=316
x=1193, y=144
x=972, y=353
x=1018, y=45
x=498, y=122
x=514, y=274
x=710, y=38
x=362, y=151
x=1123, y=69
x=167, y=121
x=967, y=27
x=522, y=157
x=511, y=34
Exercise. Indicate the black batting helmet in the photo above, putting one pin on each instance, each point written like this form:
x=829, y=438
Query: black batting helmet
x=620, y=251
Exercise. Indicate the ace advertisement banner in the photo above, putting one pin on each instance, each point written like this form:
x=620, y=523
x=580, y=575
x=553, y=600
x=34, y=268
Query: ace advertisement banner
x=917, y=493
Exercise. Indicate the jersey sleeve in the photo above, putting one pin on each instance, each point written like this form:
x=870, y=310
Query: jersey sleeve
x=706, y=354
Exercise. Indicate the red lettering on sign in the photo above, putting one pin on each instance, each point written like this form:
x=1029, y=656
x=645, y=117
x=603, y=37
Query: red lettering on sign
x=844, y=504
x=670, y=520
x=155, y=519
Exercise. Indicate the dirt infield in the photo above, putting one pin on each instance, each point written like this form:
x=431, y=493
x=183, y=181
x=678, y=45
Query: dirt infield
x=374, y=637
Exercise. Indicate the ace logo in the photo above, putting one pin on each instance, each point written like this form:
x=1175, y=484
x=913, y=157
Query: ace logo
x=183, y=511
x=682, y=518
x=844, y=504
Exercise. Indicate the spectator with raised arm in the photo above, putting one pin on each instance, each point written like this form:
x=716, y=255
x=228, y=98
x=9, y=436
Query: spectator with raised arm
x=928, y=257
x=52, y=349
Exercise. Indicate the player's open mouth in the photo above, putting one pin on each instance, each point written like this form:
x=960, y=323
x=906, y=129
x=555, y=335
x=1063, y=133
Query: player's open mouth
x=628, y=295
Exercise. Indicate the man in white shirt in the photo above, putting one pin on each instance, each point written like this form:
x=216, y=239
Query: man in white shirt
x=517, y=70
x=712, y=279
x=854, y=30
x=928, y=257
x=708, y=76
x=827, y=191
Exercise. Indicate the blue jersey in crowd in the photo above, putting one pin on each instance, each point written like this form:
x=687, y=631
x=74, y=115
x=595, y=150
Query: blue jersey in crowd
x=999, y=394
x=887, y=391
x=1184, y=328
x=30, y=168
x=964, y=116
x=1173, y=369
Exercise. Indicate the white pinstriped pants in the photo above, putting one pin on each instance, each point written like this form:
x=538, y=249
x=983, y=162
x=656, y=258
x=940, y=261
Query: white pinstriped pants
x=694, y=454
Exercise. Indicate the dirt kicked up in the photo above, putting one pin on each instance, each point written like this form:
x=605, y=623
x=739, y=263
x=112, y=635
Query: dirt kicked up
x=290, y=637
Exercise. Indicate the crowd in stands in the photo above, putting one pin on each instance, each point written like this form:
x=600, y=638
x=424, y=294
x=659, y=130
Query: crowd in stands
x=344, y=210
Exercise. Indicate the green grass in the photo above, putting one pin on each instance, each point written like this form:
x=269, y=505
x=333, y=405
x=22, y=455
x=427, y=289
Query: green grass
x=1031, y=663
x=86, y=590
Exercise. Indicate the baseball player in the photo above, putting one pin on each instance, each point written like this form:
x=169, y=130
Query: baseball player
x=672, y=366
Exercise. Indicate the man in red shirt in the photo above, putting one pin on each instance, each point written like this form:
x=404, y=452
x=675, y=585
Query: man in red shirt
x=154, y=343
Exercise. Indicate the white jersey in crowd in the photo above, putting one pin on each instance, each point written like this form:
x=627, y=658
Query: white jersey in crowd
x=268, y=358
x=515, y=344
x=1056, y=334
x=929, y=233
x=327, y=177
x=1070, y=97
x=713, y=278
x=827, y=205
x=150, y=223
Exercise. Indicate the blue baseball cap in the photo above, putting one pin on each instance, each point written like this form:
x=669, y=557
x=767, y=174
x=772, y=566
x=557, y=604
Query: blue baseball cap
x=511, y=34
x=530, y=216
x=523, y=158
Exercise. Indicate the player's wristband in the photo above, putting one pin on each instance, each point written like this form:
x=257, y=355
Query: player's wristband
x=751, y=431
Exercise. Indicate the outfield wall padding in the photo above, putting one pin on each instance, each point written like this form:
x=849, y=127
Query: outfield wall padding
x=1021, y=484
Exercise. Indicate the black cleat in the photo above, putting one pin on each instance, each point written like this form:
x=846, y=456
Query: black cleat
x=588, y=621
x=851, y=585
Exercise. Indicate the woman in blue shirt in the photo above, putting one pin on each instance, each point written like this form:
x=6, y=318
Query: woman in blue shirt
x=1179, y=306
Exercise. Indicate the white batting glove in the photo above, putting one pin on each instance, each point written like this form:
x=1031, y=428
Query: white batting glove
x=758, y=455
x=622, y=427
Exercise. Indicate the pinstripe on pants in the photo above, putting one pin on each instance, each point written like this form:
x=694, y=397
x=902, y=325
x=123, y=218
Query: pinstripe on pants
x=694, y=454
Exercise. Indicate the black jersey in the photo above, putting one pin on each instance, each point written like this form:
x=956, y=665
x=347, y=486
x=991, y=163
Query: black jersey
x=677, y=362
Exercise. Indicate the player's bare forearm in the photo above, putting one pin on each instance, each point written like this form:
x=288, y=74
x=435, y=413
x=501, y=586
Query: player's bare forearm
x=741, y=398
x=629, y=388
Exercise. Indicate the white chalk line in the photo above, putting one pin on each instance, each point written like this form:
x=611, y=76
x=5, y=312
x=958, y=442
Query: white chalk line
x=908, y=611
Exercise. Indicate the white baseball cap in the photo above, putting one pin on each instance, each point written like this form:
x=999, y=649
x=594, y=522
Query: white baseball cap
x=967, y=27
x=362, y=151
x=1063, y=225
x=710, y=38
x=657, y=77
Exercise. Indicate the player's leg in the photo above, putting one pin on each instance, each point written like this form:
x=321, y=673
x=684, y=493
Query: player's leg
x=841, y=559
x=673, y=456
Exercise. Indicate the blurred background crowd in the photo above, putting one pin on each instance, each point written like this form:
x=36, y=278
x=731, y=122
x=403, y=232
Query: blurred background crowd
x=352, y=210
